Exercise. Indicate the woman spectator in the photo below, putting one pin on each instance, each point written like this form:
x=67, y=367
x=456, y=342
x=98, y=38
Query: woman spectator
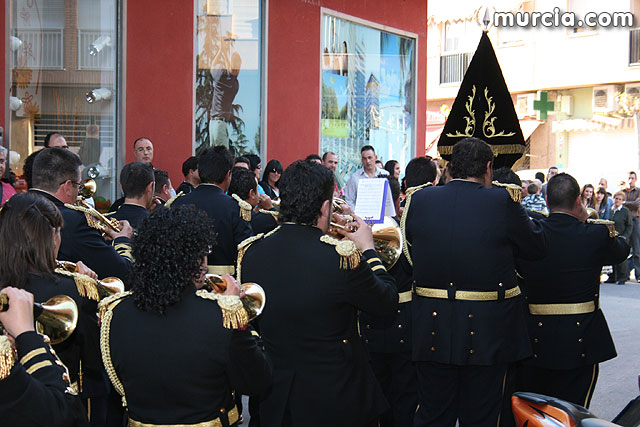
x=393, y=167
x=255, y=166
x=586, y=196
x=623, y=223
x=29, y=242
x=601, y=203
x=6, y=190
x=271, y=178
x=208, y=349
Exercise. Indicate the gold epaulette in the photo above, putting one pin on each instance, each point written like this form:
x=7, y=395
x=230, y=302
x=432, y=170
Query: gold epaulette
x=7, y=357
x=105, y=308
x=403, y=220
x=87, y=286
x=92, y=220
x=350, y=255
x=515, y=192
x=610, y=225
x=245, y=208
x=173, y=199
x=234, y=316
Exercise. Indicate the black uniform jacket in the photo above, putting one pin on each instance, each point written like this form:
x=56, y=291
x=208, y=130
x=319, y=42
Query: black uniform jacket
x=391, y=334
x=135, y=214
x=262, y=222
x=180, y=367
x=83, y=344
x=225, y=213
x=185, y=188
x=39, y=398
x=83, y=243
x=309, y=328
x=570, y=274
x=465, y=237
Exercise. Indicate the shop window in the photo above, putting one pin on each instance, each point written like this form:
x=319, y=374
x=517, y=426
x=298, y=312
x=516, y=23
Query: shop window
x=228, y=108
x=368, y=93
x=63, y=79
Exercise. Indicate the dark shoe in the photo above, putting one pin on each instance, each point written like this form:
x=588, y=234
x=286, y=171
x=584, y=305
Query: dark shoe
x=620, y=282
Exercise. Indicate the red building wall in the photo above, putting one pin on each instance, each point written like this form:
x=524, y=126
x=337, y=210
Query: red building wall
x=294, y=67
x=159, y=81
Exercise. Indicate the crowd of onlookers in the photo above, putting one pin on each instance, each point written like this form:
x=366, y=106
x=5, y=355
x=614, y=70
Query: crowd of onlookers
x=621, y=207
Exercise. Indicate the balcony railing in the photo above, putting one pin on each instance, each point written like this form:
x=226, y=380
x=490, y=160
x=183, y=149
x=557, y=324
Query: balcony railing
x=634, y=46
x=453, y=66
x=42, y=48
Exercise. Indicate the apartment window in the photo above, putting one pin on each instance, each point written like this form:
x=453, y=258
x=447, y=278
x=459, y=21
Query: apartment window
x=54, y=89
x=460, y=39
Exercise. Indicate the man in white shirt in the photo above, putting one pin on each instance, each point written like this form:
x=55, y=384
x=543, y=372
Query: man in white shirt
x=369, y=170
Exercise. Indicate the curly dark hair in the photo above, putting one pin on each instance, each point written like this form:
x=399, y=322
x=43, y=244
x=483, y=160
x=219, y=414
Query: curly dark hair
x=469, y=158
x=304, y=186
x=169, y=249
x=26, y=244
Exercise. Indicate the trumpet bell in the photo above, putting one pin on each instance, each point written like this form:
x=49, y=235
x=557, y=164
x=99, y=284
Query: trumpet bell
x=57, y=318
x=388, y=241
x=87, y=188
x=593, y=213
x=110, y=286
x=254, y=298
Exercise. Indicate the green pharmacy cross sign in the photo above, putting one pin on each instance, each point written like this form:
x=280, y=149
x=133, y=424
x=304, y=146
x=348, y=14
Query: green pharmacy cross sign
x=543, y=105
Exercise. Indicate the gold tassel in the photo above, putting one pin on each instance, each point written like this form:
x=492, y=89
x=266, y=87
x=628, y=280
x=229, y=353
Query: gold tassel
x=515, y=191
x=245, y=208
x=7, y=357
x=350, y=255
x=234, y=315
x=87, y=287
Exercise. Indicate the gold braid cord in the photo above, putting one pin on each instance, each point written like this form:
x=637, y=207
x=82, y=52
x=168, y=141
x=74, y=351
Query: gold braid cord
x=234, y=315
x=273, y=213
x=403, y=220
x=173, y=199
x=244, y=245
x=92, y=220
x=7, y=357
x=515, y=191
x=245, y=208
x=106, y=314
x=87, y=287
x=610, y=225
x=350, y=255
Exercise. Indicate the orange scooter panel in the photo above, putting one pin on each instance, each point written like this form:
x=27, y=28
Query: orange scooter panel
x=529, y=414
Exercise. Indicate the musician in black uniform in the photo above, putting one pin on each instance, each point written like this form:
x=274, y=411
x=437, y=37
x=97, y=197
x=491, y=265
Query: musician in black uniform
x=29, y=240
x=388, y=338
x=175, y=354
x=468, y=313
x=191, y=177
x=244, y=185
x=34, y=386
x=56, y=176
x=137, y=181
x=315, y=285
x=568, y=331
x=214, y=168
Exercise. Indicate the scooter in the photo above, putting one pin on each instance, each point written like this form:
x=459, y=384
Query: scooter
x=537, y=410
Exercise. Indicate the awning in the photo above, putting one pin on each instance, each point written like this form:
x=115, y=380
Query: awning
x=528, y=127
x=442, y=11
x=594, y=124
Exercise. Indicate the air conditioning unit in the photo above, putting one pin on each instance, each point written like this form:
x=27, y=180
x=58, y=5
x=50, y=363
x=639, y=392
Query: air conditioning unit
x=524, y=105
x=632, y=89
x=604, y=98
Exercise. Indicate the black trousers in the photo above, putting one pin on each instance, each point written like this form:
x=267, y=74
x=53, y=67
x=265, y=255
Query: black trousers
x=472, y=395
x=572, y=385
x=396, y=374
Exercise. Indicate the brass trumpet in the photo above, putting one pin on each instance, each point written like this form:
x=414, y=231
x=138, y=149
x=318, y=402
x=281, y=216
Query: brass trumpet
x=57, y=318
x=106, y=287
x=593, y=213
x=253, y=301
x=87, y=189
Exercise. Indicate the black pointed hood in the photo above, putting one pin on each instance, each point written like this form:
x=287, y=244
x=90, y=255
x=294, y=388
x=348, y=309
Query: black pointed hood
x=484, y=109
